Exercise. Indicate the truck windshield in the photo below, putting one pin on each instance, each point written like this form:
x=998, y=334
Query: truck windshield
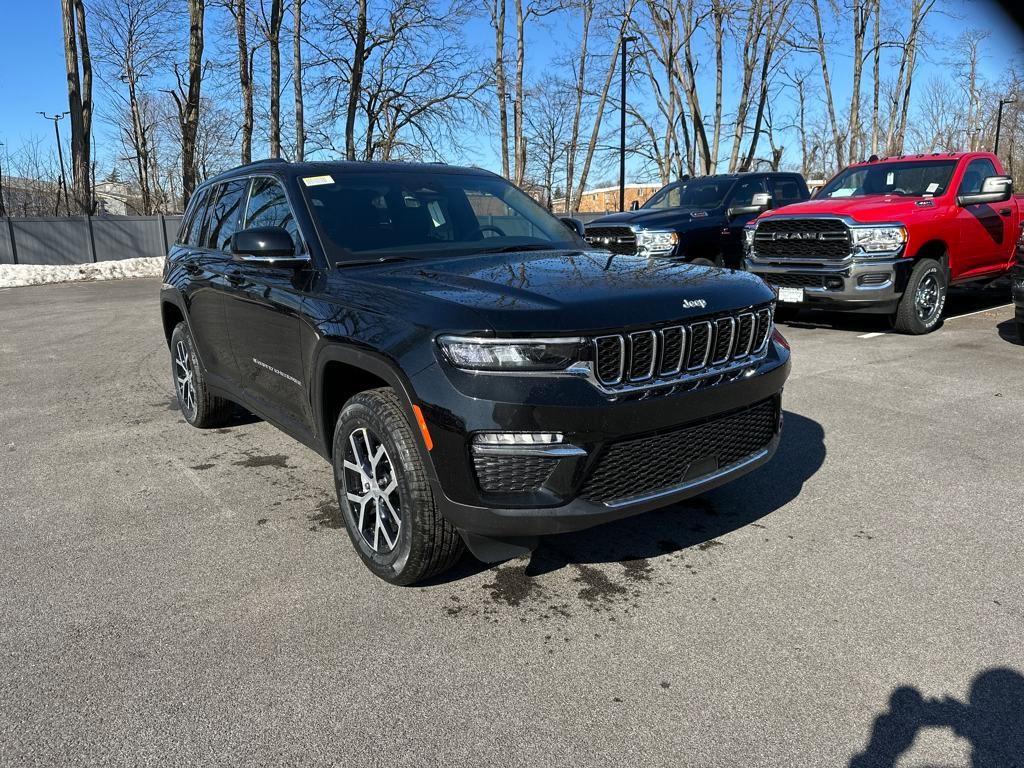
x=361, y=216
x=911, y=179
x=666, y=197
x=705, y=193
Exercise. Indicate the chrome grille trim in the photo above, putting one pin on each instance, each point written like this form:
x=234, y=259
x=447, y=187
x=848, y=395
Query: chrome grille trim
x=696, y=359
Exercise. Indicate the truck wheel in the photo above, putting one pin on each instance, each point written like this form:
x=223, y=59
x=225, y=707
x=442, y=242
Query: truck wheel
x=384, y=494
x=199, y=407
x=920, y=309
x=705, y=262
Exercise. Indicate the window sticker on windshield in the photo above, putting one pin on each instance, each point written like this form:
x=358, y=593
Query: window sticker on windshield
x=317, y=181
x=846, y=192
x=890, y=178
x=931, y=188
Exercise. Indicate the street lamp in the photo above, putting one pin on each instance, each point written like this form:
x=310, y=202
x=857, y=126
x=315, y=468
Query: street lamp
x=622, y=127
x=999, y=121
x=60, y=154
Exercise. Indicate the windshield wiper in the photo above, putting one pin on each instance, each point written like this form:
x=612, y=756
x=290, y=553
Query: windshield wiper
x=364, y=262
x=526, y=247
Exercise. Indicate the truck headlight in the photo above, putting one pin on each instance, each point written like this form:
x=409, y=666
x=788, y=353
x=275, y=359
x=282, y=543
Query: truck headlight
x=484, y=354
x=879, y=239
x=656, y=240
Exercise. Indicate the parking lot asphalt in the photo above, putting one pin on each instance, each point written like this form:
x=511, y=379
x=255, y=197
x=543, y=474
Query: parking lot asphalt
x=170, y=596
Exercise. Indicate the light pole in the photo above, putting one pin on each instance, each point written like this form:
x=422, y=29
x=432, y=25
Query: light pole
x=60, y=154
x=3, y=210
x=622, y=127
x=999, y=121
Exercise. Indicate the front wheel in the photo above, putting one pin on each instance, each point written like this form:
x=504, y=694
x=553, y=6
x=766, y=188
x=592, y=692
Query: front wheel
x=920, y=309
x=384, y=494
x=197, y=404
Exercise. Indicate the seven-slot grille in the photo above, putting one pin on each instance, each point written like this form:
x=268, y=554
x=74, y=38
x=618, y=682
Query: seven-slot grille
x=781, y=238
x=667, y=353
x=615, y=239
x=645, y=465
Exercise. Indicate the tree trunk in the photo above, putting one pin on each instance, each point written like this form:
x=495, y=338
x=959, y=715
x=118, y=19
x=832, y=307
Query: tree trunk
x=519, y=148
x=919, y=10
x=498, y=22
x=189, y=110
x=244, y=80
x=356, y=82
x=876, y=74
x=748, y=54
x=861, y=16
x=79, y=86
x=300, y=123
x=581, y=81
x=274, y=42
x=837, y=138
x=718, y=15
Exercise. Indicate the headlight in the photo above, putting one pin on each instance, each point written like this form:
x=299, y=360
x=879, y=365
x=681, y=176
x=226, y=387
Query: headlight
x=656, y=240
x=879, y=239
x=480, y=354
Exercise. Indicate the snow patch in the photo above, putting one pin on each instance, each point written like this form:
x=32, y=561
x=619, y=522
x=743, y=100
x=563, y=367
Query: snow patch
x=12, y=275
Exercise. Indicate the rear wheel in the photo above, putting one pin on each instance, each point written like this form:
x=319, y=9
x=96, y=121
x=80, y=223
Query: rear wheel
x=920, y=309
x=197, y=404
x=384, y=495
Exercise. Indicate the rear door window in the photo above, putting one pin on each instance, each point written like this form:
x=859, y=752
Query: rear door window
x=193, y=222
x=224, y=214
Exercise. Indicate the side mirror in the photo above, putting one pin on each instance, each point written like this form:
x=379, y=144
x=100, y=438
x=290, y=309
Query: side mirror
x=635, y=205
x=574, y=224
x=271, y=246
x=994, y=189
x=759, y=203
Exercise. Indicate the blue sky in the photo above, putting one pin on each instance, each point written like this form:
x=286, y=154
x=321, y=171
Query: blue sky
x=32, y=70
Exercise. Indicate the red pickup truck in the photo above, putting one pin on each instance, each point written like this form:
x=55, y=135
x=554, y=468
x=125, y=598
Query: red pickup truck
x=890, y=236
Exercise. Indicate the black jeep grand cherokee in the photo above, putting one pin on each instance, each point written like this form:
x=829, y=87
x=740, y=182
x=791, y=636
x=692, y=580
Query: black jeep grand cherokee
x=474, y=372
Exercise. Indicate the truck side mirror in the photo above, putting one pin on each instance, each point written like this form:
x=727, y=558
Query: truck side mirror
x=574, y=224
x=994, y=189
x=759, y=203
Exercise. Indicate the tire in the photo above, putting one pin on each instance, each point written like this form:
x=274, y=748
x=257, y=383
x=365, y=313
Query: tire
x=403, y=538
x=920, y=309
x=705, y=262
x=199, y=407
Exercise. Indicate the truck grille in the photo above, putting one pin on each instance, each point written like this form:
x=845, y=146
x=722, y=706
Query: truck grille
x=789, y=280
x=781, y=238
x=512, y=474
x=664, y=354
x=621, y=240
x=646, y=465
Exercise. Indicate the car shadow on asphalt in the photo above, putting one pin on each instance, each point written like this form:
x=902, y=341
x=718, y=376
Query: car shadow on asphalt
x=961, y=301
x=991, y=720
x=1008, y=332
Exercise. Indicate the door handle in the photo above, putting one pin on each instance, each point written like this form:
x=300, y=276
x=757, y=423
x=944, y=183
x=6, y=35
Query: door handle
x=1004, y=211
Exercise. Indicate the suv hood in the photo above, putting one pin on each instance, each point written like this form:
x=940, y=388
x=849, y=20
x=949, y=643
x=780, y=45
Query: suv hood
x=667, y=218
x=869, y=209
x=565, y=291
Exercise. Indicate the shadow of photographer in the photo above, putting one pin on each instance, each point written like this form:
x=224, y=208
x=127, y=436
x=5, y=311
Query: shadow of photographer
x=992, y=721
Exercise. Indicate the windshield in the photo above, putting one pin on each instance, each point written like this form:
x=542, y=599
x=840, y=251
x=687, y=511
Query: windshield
x=911, y=179
x=705, y=193
x=365, y=216
x=666, y=197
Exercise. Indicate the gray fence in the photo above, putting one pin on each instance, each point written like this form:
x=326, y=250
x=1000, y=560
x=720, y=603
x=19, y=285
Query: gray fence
x=83, y=239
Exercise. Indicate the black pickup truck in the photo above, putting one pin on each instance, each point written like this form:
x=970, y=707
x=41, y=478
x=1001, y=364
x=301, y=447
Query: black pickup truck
x=698, y=220
x=475, y=373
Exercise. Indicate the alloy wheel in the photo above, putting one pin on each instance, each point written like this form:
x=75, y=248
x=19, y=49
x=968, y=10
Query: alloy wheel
x=926, y=299
x=371, y=489
x=184, y=375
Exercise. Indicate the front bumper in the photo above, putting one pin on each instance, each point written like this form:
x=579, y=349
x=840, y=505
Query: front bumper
x=867, y=285
x=592, y=423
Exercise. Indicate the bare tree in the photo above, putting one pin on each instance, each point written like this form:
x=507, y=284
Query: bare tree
x=900, y=100
x=238, y=10
x=270, y=26
x=876, y=75
x=548, y=127
x=78, y=64
x=187, y=95
x=497, y=12
x=300, y=122
x=861, y=16
x=819, y=45
x=579, y=90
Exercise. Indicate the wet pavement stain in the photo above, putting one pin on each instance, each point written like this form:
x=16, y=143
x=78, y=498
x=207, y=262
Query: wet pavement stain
x=598, y=589
x=511, y=585
x=637, y=569
x=709, y=544
x=253, y=460
x=201, y=467
x=261, y=521
x=327, y=515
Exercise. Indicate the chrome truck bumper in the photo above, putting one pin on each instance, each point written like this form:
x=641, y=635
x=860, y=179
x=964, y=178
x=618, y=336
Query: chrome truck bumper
x=869, y=285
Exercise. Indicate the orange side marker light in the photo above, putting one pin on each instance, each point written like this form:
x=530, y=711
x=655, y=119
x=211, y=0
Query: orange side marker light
x=422, y=423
